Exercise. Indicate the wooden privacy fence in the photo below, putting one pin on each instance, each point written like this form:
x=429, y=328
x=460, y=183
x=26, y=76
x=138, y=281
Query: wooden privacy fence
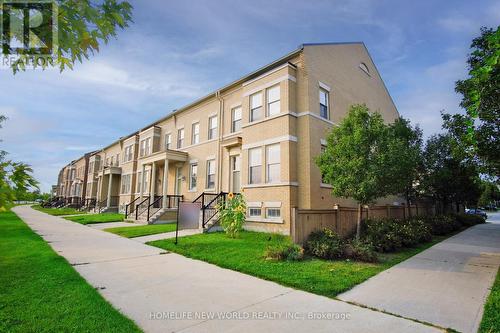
x=343, y=219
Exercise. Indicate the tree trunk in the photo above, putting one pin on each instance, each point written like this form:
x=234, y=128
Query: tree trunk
x=358, y=224
x=408, y=204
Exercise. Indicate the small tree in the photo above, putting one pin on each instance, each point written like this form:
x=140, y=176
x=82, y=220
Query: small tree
x=356, y=159
x=405, y=145
x=232, y=214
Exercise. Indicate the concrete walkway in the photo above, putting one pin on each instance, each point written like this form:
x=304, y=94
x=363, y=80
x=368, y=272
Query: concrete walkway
x=445, y=285
x=171, y=293
x=166, y=235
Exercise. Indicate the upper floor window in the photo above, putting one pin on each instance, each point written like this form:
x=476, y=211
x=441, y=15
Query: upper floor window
x=323, y=149
x=168, y=141
x=212, y=127
x=273, y=158
x=145, y=148
x=128, y=153
x=195, y=133
x=273, y=101
x=180, y=138
x=323, y=103
x=193, y=172
x=236, y=119
x=112, y=161
x=117, y=161
x=255, y=165
x=210, y=174
x=364, y=68
x=256, y=106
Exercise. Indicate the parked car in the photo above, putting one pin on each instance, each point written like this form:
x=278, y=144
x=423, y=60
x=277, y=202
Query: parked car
x=476, y=211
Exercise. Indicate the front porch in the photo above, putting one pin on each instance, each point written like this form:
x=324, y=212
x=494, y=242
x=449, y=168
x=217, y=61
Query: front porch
x=159, y=175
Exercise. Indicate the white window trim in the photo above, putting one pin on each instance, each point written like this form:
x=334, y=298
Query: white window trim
x=324, y=86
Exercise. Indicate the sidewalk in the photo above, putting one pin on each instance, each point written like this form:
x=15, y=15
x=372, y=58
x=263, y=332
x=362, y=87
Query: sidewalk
x=150, y=286
x=446, y=285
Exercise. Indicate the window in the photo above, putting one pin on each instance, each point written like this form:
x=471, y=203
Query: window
x=180, y=138
x=255, y=162
x=195, y=133
x=364, y=68
x=255, y=106
x=273, y=163
x=117, y=161
x=168, y=141
x=145, y=148
x=273, y=213
x=236, y=119
x=193, y=171
x=112, y=160
x=211, y=174
x=212, y=127
x=323, y=103
x=254, y=212
x=128, y=154
x=273, y=101
x=125, y=184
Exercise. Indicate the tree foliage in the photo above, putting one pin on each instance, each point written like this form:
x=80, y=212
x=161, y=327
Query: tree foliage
x=405, y=147
x=82, y=26
x=16, y=179
x=356, y=161
x=446, y=178
x=477, y=131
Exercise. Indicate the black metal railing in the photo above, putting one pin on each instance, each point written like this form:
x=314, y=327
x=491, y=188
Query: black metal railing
x=142, y=207
x=130, y=207
x=172, y=201
x=209, y=203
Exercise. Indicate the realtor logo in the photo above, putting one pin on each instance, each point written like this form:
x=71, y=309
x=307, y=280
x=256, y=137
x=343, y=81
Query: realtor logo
x=28, y=27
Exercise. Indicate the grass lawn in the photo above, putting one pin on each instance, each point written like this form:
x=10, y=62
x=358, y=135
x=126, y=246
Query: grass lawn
x=142, y=230
x=245, y=254
x=97, y=218
x=58, y=211
x=491, y=317
x=41, y=292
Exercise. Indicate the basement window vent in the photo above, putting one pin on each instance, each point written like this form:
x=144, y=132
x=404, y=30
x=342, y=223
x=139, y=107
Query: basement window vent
x=364, y=68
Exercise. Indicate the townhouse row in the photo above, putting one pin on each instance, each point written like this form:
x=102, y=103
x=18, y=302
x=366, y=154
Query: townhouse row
x=259, y=134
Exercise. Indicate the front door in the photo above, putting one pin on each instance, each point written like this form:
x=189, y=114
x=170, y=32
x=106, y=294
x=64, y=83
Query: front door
x=236, y=173
x=178, y=180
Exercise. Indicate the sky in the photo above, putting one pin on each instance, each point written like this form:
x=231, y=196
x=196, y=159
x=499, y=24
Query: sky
x=177, y=51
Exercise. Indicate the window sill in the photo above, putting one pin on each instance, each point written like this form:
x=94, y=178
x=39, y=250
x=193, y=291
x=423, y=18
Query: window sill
x=192, y=191
x=270, y=184
x=323, y=185
x=264, y=220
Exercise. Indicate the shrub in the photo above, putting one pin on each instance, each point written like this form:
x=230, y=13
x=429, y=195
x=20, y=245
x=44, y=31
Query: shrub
x=232, y=214
x=468, y=220
x=414, y=231
x=324, y=244
x=360, y=250
x=383, y=234
x=442, y=224
x=282, y=248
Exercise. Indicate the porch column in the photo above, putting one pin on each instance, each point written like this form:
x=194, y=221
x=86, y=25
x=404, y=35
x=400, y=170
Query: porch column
x=142, y=180
x=108, y=203
x=152, y=184
x=165, y=183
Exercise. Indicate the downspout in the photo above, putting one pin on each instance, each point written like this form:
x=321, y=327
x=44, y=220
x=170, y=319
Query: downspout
x=220, y=117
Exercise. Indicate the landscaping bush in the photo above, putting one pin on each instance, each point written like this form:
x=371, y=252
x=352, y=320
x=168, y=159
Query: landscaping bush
x=360, y=250
x=468, y=220
x=284, y=251
x=324, y=244
x=442, y=224
x=414, y=231
x=383, y=234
